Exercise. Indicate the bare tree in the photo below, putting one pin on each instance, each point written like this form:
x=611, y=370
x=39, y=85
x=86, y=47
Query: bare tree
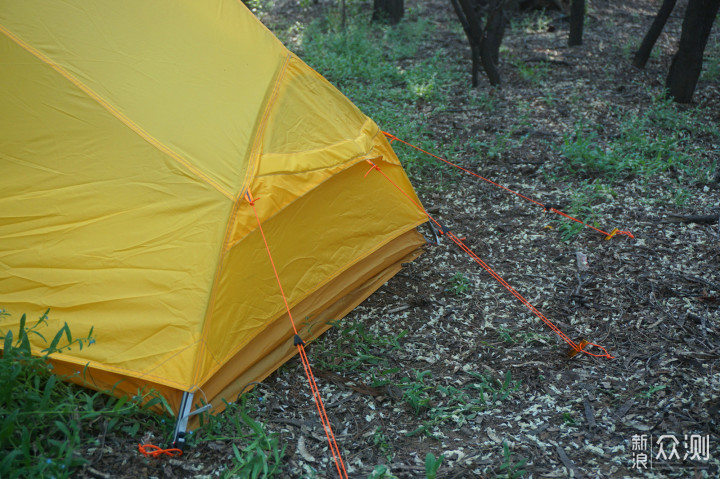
x=484, y=41
x=687, y=63
x=643, y=53
x=577, y=20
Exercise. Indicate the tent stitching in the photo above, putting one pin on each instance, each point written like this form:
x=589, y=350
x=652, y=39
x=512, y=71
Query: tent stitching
x=228, y=246
x=346, y=266
x=256, y=151
x=250, y=172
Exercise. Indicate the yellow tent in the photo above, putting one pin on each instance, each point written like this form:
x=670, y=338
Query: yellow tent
x=130, y=134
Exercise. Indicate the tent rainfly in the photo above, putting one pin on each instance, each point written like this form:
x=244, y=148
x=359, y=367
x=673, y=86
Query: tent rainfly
x=130, y=135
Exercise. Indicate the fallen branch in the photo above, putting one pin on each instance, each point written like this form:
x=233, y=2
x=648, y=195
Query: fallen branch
x=567, y=462
x=700, y=219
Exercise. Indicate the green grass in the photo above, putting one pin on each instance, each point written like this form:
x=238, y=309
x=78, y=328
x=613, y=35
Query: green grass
x=584, y=202
x=416, y=393
x=459, y=284
x=659, y=139
x=46, y=423
x=511, y=468
x=534, y=22
x=355, y=351
x=711, y=62
x=354, y=348
x=256, y=453
x=432, y=464
x=449, y=406
x=535, y=73
x=656, y=140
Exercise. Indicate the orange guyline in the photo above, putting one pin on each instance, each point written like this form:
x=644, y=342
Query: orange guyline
x=576, y=347
x=300, y=344
x=607, y=235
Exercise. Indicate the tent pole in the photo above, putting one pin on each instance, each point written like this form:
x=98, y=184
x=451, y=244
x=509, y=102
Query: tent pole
x=183, y=416
x=182, y=420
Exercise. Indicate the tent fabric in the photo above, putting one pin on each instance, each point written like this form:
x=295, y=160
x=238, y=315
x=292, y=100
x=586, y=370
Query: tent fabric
x=130, y=133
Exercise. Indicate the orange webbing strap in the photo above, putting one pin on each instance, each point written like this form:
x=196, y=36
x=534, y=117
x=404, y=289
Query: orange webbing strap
x=329, y=434
x=149, y=450
x=605, y=233
x=498, y=278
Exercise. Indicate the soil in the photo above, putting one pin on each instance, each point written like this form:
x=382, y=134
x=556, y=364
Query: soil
x=652, y=301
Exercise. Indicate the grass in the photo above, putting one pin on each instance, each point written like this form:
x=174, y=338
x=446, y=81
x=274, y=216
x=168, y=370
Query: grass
x=445, y=406
x=432, y=464
x=584, y=203
x=261, y=456
x=356, y=349
x=67, y=420
x=536, y=21
x=416, y=393
x=44, y=422
x=534, y=73
x=382, y=443
x=459, y=284
x=512, y=336
x=510, y=468
x=711, y=62
x=656, y=140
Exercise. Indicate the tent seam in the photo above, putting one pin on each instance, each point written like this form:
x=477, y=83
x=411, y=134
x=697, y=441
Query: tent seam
x=255, y=155
x=345, y=166
x=107, y=368
x=369, y=121
x=326, y=281
x=249, y=175
x=115, y=112
x=199, y=358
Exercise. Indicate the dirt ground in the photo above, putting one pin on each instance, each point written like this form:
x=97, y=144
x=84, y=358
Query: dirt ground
x=652, y=301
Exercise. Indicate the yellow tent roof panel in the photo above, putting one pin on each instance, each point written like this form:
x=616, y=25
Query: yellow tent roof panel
x=129, y=135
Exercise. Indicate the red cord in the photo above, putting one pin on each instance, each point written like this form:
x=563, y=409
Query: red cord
x=495, y=275
x=150, y=450
x=605, y=233
x=329, y=434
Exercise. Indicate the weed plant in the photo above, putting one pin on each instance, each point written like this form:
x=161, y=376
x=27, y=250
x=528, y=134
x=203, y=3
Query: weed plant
x=432, y=464
x=459, y=284
x=651, y=142
x=261, y=457
x=655, y=141
x=44, y=422
x=510, y=468
x=357, y=349
x=456, y=406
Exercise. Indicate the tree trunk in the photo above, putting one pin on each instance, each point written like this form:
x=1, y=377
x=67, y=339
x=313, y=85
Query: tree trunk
x=388, y=10
x=473, y=32
x=482, y=49
x=643, y=53
x=687, y=62
x=577, y=18
x=495, y=30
